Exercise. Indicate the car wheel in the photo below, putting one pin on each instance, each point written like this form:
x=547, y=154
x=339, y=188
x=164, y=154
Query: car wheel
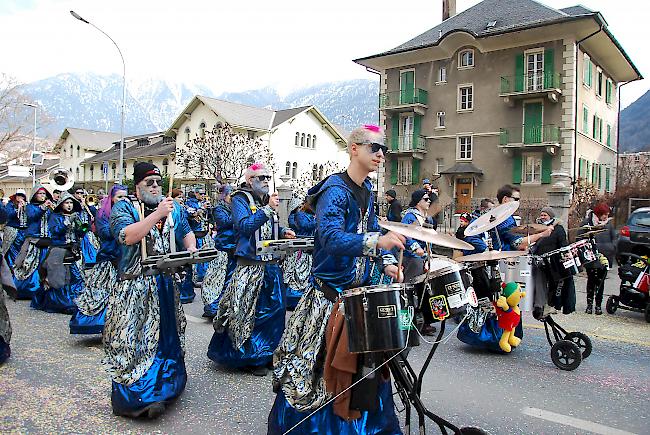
x=647, y=313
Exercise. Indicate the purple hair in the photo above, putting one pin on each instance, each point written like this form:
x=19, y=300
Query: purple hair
x=107, y=202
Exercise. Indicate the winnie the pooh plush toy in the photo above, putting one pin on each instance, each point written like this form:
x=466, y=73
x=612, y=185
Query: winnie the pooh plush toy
x=509, y=314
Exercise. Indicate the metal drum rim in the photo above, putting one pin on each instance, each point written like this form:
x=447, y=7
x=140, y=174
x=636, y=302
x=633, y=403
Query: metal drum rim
x=378, y=288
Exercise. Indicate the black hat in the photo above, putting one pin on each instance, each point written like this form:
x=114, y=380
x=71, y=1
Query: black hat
x=417, y=197
x=144, y=169
x=391, y=193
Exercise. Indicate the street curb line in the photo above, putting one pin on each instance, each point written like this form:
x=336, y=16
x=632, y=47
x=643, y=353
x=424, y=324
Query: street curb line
x=604, y=337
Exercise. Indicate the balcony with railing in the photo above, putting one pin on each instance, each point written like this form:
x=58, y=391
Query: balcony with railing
x=404, y=144
x=531, y=85
x=405, y=101
x=529, y=136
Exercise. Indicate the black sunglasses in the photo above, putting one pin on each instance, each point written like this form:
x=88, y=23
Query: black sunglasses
x=264, y=177
x=79, y=193
x=515, y=198
x=149, y=183
x=376, y=147
x=426, y=199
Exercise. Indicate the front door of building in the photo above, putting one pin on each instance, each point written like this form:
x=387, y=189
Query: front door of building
x=463, y=195
x=532, y=123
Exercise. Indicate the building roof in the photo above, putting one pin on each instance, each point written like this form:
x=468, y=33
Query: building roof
x=286, y=114
x=577, y=10
x=462, y=168
x=90, y=139
x=156, y=149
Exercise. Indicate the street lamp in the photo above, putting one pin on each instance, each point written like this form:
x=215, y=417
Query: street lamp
x=121, y=173
x=35, y=107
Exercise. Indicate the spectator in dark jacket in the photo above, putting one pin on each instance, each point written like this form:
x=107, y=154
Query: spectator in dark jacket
x=394, y=207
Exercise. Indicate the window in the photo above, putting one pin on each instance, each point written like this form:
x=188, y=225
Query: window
x=466, y=59
x=114, y=170
x=71, y=151
x=314, y=173
x=165, y=164
x=535, y=70
x=287, y=169
x=309, y=141
x=77, y=173
x=465, y=97
x=92, y=170
x=187, y=134
x=464, y=148
x=532, y=168
x=302, y=140
x=294, y=170
x=64, y=152
x=321, y=171
x=598, y=129
x=442, y=74
x=585, y=120
x=202, y=130
x=609, y=135
x=587, y=68
x=440, y=163
x=441, y=120
x=78, y=151
x=599, y=83
x=313, y=141
x=609, y=87
x=404, y=171
x=297, y=140
x=251, y=134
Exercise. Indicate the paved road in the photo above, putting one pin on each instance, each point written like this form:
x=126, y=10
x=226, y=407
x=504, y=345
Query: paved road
x=54, y=383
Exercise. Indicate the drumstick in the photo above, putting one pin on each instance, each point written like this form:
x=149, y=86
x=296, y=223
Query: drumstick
x=399, y=263
x=172, y=238
x=143, y=242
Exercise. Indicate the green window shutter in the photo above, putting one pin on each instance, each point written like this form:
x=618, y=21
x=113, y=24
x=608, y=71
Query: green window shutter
x=519, y=72
x=581, y=167
x=608, y=92
x=587, y=171
x=393, y=171
x=593, y=173
x=593, y=127
x=607, y=176
x=609, y=135
x=549, y=69
x=601, y=176
x=585, y=120
x=417, y=126
x=516, y=169
x=415, y=175
x=547, y=168
x=394, y=133
x=590, y=72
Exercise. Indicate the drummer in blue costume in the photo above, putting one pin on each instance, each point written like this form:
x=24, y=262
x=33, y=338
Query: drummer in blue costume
x=250, y=318
x=144, y=333
x=347, y=233
x=64, y=279
x=34, y=248
x=296, y=267
x=199, y=223
x=220, y=270
x=89, y=242
x=14, y=235
x=7, y=284
x=102, y=279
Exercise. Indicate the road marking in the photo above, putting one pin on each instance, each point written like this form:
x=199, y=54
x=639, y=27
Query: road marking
x=196, y=319
x=574, y=422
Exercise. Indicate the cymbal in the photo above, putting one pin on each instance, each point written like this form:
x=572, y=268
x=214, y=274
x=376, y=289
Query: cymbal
x=528, y=229
x=588, y=227
x=590, y=233
x=428, y=235
x=491, y=218
x=491, y=255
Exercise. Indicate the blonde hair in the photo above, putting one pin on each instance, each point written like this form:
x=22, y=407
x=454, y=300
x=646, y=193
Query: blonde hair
x=254, y=169
x=366, y=133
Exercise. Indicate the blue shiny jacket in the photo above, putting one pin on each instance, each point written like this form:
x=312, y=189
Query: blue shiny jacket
x=413, y=244
x=124, y=214
x=341, y=234
x=246, y=223
x=193, y=203
x=62, y=230
x=478, y=242
x=304, y=223
x=507, y=239
x=12, y=216
x=109, y=250
x=226, y=238
x=3, y=214
x=35, y=219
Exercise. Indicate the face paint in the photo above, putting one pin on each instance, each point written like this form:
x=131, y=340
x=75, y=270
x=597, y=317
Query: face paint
x=260, y=188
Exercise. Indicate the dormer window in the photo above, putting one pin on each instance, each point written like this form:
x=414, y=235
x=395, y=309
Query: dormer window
x=187, y=134
x=202, y=130
x=466, y=58
x=143, y=141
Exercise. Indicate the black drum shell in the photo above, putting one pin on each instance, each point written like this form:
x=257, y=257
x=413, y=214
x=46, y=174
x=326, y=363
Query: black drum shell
x=379, y=328
x=560, y=264
x=447, y=282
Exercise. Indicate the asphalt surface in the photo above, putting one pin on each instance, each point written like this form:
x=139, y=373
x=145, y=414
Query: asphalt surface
x=54, y=382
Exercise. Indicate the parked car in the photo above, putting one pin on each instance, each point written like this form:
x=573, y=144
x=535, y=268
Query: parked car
x=634, y=237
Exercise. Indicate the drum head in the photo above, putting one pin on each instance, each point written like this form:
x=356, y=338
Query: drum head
x=377, y=289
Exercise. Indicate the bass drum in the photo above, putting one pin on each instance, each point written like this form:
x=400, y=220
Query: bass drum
x=380, y=318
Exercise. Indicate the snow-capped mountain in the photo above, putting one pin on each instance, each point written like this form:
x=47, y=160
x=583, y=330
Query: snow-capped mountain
x=93, y=101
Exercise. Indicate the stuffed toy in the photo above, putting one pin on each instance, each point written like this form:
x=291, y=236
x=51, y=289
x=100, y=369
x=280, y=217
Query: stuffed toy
x=509, y=315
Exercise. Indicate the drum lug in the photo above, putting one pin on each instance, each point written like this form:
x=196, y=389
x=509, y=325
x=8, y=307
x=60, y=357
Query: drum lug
x=365, y=303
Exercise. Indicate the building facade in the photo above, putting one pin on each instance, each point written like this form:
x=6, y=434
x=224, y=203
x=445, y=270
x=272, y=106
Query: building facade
x=504, y=92
x=77, y=144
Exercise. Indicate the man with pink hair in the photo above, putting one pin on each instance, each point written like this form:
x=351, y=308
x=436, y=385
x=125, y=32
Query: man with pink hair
x=250, y=317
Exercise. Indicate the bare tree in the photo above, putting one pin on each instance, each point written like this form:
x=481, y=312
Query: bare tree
x=319, y=171
x=223, y=155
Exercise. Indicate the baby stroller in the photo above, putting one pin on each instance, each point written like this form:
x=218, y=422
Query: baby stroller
x=635, y=283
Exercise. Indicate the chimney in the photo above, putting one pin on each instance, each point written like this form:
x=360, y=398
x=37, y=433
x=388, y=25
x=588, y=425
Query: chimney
x=448, y=9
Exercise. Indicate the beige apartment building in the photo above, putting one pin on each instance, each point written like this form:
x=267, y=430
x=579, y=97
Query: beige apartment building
x=507, y=91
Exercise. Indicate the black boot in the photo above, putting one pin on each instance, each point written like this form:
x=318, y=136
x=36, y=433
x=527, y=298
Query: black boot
x=589, y=309
x=599, y=311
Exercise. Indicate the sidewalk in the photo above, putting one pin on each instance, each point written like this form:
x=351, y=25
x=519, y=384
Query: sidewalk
x=623, y=326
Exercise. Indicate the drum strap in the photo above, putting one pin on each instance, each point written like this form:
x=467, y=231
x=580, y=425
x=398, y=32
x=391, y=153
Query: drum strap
x=329, y=293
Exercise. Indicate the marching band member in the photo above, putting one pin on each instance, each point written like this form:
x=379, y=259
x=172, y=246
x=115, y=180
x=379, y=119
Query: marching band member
x=64, y=280
x=199, y=225
x=89, y=242
x=6, y=284
x=250, y=318
x=347, y=232
x=102, y=279
x=186, y=285
x=220, y=270
x=144, y=333
x=296, y=266
x=34, y=249
x=14, y=236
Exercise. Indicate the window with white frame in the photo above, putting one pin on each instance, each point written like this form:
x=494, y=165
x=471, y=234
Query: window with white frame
x=294, y=170
x=465, y=97
x=440, y=164
x=464, y=148
x=187, y=134
x=404, y=171
x=441, y=120
x=532, y=169
x=587, y=68
x=313, y=142
x=309, y=141
x=599, y=83
x=287, y=169
x=535, y=69
x=297, y=140
x=442, y=74
x=466, y=58
x=202, y=130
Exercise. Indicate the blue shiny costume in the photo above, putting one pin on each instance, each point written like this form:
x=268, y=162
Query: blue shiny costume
x=18, y=227
x=410, y=217
x=344, y=239
x=187, y=285
x=225, y=241
x=61, y=300
x=250, y=318
x=88, y=242
x=6, y=282
x=198, y=225
x=102, y=279
x=298, y=269
x=144, y=334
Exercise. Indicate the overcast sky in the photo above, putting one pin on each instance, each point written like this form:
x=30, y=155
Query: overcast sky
x=246, y=44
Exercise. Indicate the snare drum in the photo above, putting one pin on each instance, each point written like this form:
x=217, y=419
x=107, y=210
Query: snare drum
x=380, y=318
x=446, y=287
x=520, y=270
x=585, y=251
x=560, y=264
